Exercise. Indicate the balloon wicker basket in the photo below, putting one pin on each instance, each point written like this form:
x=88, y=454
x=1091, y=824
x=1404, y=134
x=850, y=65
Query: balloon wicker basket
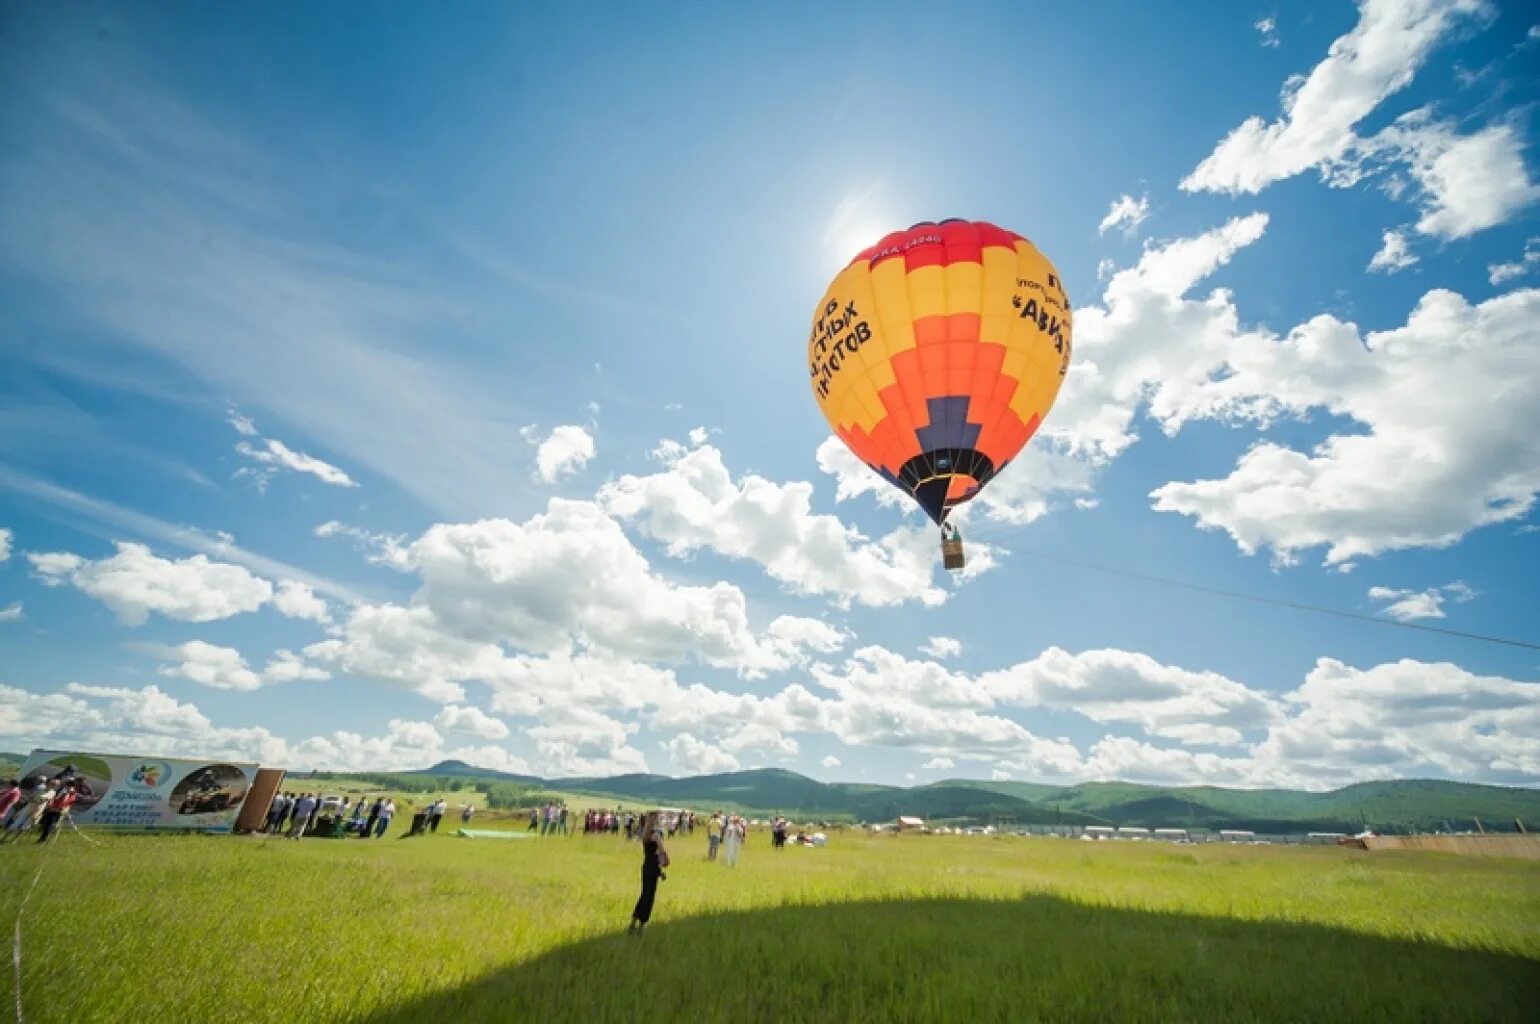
x=952, y=554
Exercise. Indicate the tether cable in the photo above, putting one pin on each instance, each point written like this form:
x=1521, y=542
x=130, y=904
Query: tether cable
x=1529, y=645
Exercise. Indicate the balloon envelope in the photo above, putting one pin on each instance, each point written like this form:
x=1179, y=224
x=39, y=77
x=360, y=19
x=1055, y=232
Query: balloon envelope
x=936, y=353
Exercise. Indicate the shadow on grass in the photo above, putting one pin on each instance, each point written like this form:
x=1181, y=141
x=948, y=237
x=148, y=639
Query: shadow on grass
x=1036, y=958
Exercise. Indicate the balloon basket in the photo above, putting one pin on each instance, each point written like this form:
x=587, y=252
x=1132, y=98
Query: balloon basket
x=952, y=554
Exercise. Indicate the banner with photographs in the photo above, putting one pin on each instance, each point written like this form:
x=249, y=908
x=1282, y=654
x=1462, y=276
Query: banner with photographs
x=148, y=792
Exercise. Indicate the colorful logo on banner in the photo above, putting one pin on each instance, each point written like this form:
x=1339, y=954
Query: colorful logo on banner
x=148, y=775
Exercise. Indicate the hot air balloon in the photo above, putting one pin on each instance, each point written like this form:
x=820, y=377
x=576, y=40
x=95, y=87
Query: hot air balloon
x=935, y=355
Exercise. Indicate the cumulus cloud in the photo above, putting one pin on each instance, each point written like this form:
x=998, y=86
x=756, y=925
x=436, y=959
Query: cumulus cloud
x=1394, y=254
x=561, y=453
x=938, y=764
x=463, y=718
x=148, y=719
x=584, y=742
x=694, y=503
x=1465, y=183
x=1113, y=686
x=1502, y=273
x=1402, y=719
x=570, y=576
x=12, y=612
x=1411, y=605
x=221, y=668
x=5, y=543
x=830, y=761
x=1378, y=58
x=297, y=601
x=135, y=583
x=1125, y=212
x=1448, y=436
x=942, y=647
x=1268, y=28
x=698, y=758
x=224, y=668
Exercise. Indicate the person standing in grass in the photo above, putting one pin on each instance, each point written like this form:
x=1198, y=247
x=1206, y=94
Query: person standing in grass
x=374, y=817
x=35, y=795
x=302, y=812
x=733, y=840
x=357, y=823
x=10, y=796
x=654, y=860
x=386, y=813
x=713, y=835
x=57, y=808
x=436, y=814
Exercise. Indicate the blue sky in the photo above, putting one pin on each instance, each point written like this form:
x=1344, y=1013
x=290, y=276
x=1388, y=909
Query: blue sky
x=385, y=384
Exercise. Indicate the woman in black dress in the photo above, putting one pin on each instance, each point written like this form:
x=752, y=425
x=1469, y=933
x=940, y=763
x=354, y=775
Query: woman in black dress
x=654, y=860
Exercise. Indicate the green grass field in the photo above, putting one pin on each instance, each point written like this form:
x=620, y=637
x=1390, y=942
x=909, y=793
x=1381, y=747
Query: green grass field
x=870, y=928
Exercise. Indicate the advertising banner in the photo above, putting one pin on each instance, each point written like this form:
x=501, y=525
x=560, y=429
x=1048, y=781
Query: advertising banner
x=149, y=792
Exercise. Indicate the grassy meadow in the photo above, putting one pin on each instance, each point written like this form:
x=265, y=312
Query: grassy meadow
x=440, y=928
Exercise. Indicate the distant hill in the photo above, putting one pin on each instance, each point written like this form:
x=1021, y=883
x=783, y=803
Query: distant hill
x=1398, y=806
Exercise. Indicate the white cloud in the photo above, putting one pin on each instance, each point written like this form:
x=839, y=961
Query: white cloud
x=830, y=761
x=5, y=543
x=694, y=503
x=406, y=646
x=274, y=455
x=1502, y=273
x=570, y=576
x=1449, y=436
x=388, y=549
x=288, y=667
x=1467, y=183
x=149, y=720
x=221, y=668
x=698, y=758
x=1411, y=605
x=297, y=601
x=1394, y=254
x=1377, y=58
x=1000, y=775
x=12, y=612
x=121, y=519
x=1405, y=719
x=134, y=583
x=1113, y=686
x=243, y=424
x=1125, y=212
x=1268, y=27
x=938, y=764
x=463, y=718
x=584, y=742
x=942, y=647
x=563, y=452
x=224, y=668
x=698, y=436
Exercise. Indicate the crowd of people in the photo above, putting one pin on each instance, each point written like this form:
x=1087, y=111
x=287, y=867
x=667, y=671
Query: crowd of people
x=39, y=802
x=339, y=816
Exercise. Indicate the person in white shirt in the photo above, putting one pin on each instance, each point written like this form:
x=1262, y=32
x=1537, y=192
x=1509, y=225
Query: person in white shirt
x=436, y=814
x=386, y=813
x=732, y=840
x=302, y=812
